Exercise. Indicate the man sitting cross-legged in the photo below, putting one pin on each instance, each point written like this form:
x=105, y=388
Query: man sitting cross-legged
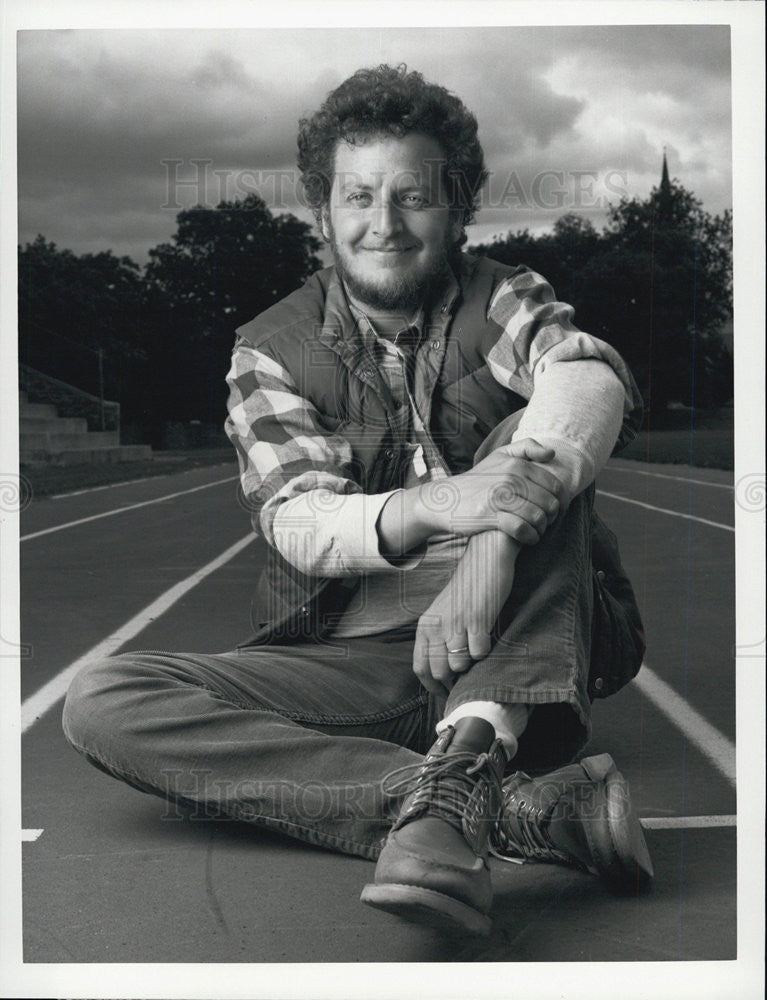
x=418, y=432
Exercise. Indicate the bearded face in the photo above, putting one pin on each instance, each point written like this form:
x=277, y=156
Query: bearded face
x=388, y=221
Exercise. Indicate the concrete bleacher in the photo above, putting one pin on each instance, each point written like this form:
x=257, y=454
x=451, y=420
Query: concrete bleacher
x=46, y=438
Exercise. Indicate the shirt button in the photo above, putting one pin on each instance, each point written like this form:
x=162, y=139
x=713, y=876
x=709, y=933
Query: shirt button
x=389, y=454
x=435, y=345
x=600, y=575
x=304, y=610
x=599, y=684
x=366, y=373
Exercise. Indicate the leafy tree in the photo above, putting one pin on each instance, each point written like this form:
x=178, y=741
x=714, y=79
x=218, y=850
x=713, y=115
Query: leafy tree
x=557, y=255
x=656, y=283
x=73, y=307
x=223, y=266
x=165, y=334
x=674, y=297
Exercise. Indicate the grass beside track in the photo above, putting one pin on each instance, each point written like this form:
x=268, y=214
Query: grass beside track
x=701, y=439
x=706, y=448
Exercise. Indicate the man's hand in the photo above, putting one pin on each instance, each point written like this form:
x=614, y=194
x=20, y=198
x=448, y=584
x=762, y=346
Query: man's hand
x=510, y=491
x=462, y=616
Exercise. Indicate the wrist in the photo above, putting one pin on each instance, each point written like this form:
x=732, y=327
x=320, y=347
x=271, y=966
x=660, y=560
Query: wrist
x=494, y=541
x=423, y=508
x=403, y=523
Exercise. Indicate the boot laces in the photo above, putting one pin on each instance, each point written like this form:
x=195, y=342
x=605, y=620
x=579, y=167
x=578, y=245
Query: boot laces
x=527, y=838
x=457, y=786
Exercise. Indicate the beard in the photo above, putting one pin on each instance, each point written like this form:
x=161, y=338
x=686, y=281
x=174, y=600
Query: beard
x=403, y=291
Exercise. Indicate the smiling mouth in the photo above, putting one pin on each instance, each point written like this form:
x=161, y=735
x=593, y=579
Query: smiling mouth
x=388, y=249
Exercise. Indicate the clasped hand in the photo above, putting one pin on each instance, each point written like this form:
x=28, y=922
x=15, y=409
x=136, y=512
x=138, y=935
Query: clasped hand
x=510, y=491
x=516, y=500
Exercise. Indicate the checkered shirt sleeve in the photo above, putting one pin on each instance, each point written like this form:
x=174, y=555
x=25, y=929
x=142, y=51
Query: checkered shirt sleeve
x=281, y=447
x=538, y=331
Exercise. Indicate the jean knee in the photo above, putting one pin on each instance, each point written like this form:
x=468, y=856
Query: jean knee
x=92, y=701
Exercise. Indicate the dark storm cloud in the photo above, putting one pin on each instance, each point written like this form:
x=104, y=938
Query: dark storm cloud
x=107, y=117
x=672, y=55
x=100, y=141
x=113, y=122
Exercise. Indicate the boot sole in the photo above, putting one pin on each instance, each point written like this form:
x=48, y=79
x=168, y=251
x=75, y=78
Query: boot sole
x=621, y=853
x=426, y=906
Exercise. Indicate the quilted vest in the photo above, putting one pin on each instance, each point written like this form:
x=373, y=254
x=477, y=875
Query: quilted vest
x=310, y=333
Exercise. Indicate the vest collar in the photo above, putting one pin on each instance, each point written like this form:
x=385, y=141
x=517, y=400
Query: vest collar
x=339, y=328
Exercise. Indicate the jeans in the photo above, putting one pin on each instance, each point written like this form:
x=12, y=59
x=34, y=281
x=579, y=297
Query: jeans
x=299, y=738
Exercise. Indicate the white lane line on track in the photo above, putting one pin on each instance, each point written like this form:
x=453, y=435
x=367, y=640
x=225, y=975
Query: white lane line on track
x=121, y=510
x=30, y=834
x=46, y=697
x=664, y=510
x=699, y=731
x=130, y=482
x=664, y=475
x=687, y=822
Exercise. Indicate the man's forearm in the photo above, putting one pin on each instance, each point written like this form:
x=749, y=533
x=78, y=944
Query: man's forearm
x=327, y=534
x=490, y=557
x=481, y=584
x=577, y=410
x=407, y=520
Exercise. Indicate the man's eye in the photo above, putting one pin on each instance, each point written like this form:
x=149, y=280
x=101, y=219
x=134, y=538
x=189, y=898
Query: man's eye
x=414, y=200
x=358, y=198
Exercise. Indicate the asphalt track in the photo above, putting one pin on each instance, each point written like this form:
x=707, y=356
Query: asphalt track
x=114, y=876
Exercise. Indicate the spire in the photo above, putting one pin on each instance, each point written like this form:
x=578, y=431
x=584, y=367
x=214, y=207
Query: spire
x=665, y=194
x=665, y=183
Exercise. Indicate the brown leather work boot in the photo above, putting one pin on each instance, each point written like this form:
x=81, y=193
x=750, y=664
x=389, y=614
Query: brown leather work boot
x=580, y=815
x=433, y=867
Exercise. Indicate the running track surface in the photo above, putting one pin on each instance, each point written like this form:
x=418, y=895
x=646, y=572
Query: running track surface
x=109, y=877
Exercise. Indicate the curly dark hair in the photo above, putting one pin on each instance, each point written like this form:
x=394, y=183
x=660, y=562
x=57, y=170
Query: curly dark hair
x=392, y=101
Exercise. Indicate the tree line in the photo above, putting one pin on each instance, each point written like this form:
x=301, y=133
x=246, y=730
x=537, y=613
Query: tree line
x=165, y=330
x=656, y=283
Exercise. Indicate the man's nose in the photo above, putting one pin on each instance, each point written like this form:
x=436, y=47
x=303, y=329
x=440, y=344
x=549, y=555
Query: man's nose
x=387, y=219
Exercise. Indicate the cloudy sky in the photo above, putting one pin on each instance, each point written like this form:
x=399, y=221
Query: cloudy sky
x=570, y=118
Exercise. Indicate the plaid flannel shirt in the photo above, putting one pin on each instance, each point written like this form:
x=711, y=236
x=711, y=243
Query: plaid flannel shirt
x=285, y=453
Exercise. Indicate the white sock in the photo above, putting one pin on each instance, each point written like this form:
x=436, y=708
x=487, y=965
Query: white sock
x=509, y=721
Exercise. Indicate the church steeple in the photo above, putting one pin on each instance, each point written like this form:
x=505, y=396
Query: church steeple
x=665, y=195
x=665, y=183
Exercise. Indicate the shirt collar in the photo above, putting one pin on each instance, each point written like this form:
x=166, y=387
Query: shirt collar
x=366, y=326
